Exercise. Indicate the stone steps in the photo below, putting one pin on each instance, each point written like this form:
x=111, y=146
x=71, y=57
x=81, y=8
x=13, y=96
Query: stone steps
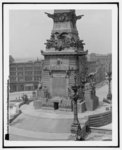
x=100, y=119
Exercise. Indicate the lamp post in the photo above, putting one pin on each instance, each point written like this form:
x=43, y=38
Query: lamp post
x=75, y=127
x=83, y=82
x=8, y=90
x=109, y=77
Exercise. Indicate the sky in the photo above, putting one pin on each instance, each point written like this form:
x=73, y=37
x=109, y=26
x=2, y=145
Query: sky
x=29, y=30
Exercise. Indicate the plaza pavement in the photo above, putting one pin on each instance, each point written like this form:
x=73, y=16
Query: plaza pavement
x=49, y=124
x=37, y=135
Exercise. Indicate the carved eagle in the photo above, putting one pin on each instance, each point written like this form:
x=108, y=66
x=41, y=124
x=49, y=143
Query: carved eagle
x=79, y=17
x=50, y=15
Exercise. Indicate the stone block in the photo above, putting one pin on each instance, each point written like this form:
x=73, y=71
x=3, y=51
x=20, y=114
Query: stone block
x=40, y=93
x=37, y=104
x=91, y=100
x=81, y=107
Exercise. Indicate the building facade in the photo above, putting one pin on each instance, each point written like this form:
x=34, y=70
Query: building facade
x=99, y=64
x=25, y=76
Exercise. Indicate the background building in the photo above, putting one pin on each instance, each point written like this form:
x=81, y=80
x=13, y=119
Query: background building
x=99, y=63
x=25, y=76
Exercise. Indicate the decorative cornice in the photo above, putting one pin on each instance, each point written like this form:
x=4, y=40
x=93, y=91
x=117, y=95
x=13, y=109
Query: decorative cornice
x=61, y=53
x=65, y=17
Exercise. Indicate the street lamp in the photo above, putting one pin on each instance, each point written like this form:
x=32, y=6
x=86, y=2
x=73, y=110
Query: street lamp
x=8, y=90
x=109, y=78
x=75, y=127
x=83, y=82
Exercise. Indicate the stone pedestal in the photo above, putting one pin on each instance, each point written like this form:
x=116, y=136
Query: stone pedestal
x=109, y=96
x=64, y=57
x=91, y=100
x=34, y=95
x=40, y=93
x=76, y=132
x=37, y=104
x=81, y=107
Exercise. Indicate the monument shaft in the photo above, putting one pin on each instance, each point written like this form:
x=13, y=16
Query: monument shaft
x=63, y=50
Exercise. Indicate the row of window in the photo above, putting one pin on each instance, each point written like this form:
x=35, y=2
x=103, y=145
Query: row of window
x=20, y=79
x=26, y=73
x=26, y=68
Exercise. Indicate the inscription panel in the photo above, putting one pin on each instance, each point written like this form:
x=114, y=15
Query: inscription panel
x=59, y=86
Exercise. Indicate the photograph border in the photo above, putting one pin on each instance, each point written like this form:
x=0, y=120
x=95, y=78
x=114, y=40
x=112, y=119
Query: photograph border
x=49, y=3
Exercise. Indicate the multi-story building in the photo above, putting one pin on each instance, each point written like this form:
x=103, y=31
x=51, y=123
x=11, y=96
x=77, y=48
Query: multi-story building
x=25, y=76
x=100, y=64
x=91, y=66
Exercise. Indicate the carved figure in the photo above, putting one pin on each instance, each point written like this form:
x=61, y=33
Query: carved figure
x=40, y=85
x=46, y=93
x=60, y=41
x=91, y=78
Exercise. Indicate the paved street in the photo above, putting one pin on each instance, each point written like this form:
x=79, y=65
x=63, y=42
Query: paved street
x=39, y=124
x=42, y=124
x=38, y=135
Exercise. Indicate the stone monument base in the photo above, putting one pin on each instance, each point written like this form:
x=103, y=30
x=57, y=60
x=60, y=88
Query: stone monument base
x=92, y=103
x=37, y=104
x=81, y=107
x=76, y=133
x=91, y=100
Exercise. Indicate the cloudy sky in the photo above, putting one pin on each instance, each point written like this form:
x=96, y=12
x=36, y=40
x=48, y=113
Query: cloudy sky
x=29, y=29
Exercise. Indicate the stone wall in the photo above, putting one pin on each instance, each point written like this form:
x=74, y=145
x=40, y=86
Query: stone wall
x=91, y=100
x=101, y=119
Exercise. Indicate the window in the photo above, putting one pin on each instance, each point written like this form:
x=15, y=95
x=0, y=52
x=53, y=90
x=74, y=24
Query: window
x=20, y=79
x=37, y=72
x=12, y=79
x=37, y=78
x=20, y=73
x=37, y=68
x=28, y=78
x=12, y=68
x=20, y=68
x=28, y=68
x=12, y=73
x=28, y=73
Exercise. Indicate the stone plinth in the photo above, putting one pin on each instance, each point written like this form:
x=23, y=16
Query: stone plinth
x=91, y=100
x=81, y=107
x=37, y=104
x=40, y=93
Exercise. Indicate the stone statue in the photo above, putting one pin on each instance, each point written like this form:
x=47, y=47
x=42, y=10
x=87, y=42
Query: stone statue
x=46, y=93
x=62, y=41
x=91, y=78
x=40, y=85
x=70, y=95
